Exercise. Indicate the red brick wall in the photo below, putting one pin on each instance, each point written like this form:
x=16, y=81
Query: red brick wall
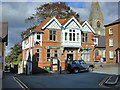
x=115, y=42
x=90, y=42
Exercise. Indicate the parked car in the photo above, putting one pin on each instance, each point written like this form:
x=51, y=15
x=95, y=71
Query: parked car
x=79, y=65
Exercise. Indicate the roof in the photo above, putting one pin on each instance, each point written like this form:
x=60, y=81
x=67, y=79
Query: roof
x=42, y=24
x=82, y=22
x=4, y=31
x=114, y=22
x=101, y=42
x=61, y=21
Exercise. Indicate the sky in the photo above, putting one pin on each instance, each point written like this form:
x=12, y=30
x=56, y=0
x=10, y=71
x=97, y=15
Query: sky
x=15, y=14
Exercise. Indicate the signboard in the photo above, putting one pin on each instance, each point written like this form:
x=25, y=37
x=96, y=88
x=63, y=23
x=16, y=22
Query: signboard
x=87, y=48
x=54, y=68
x=55, y=61
x=48, y=47
x=98, y=57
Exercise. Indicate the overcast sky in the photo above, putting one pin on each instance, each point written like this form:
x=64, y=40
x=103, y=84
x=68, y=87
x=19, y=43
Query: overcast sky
x=15, y=14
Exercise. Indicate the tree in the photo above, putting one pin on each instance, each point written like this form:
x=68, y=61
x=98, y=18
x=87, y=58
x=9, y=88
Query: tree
x=59, y=10
x=16, y=50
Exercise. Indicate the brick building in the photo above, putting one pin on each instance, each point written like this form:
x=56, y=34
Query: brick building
x=61, y=38
x=113, y=42
x=3, y=43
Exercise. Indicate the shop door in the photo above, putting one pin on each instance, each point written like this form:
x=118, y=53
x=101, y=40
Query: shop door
x=70, y=57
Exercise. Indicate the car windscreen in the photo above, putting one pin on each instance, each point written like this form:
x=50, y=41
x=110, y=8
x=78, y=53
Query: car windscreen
x=75, y=62
x=82, y=62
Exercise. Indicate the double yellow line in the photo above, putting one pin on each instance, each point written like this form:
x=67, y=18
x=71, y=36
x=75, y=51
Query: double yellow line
x=21, y=83
x=101, y=83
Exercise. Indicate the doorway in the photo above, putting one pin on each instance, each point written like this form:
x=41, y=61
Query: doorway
x=70, y=57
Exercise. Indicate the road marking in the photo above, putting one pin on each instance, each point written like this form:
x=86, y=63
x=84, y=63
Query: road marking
x=18, y=82
x=101, y=83
x=21, y=83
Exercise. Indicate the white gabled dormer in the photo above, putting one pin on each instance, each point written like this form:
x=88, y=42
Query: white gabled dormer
x=87, y=27
x=72, y=24
x=52, y=24
x=71, y=33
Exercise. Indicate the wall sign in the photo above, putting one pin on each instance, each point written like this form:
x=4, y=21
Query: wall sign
x=49, y=47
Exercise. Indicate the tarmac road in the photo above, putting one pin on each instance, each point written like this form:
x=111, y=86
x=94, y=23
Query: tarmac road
x=80, y=80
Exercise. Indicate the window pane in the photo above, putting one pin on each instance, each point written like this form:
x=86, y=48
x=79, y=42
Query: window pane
x=73, y=30
x=73, y=36
x=55, y=51
x=50, y=37
x=37, y=50
x=77, y=36
x=83, y=39
x=54, y=32
x=65, y=36
x=48, y=55
x=86, y=39
x=99, y=32
x=38, y=37
x=50, y=32
x=54, y=37
x=48, y=50
x=55, y=55
x=70, y=36
x=70, y=30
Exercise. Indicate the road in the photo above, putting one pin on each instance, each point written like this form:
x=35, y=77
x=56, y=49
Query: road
x=8, y=82
x=80, y=80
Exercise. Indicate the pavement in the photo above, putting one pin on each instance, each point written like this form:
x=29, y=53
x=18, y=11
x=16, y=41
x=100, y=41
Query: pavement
x=113, y=80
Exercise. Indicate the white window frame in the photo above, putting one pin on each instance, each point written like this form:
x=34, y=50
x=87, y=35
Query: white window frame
x=111, y=54
x=111, y=42
x=110, y=31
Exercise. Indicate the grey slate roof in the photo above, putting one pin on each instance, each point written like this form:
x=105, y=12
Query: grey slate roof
x=114, y=22
x=101, y=42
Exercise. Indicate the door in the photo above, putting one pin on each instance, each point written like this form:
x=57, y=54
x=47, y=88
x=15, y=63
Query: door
x=70, y=57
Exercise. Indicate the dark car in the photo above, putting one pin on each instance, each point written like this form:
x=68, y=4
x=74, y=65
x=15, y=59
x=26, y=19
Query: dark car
x=79, y=65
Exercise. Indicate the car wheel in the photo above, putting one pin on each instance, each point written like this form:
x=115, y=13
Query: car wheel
x=76, y=70
x=90, y=69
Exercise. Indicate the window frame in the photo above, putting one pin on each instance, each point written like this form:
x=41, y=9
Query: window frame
x=111, y=54
x=52, y=36
x=111, y=42
x=110, y=29
x=55, y=53
x=85, y=38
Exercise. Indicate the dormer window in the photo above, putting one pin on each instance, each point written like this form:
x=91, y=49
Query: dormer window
x=98, y=24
